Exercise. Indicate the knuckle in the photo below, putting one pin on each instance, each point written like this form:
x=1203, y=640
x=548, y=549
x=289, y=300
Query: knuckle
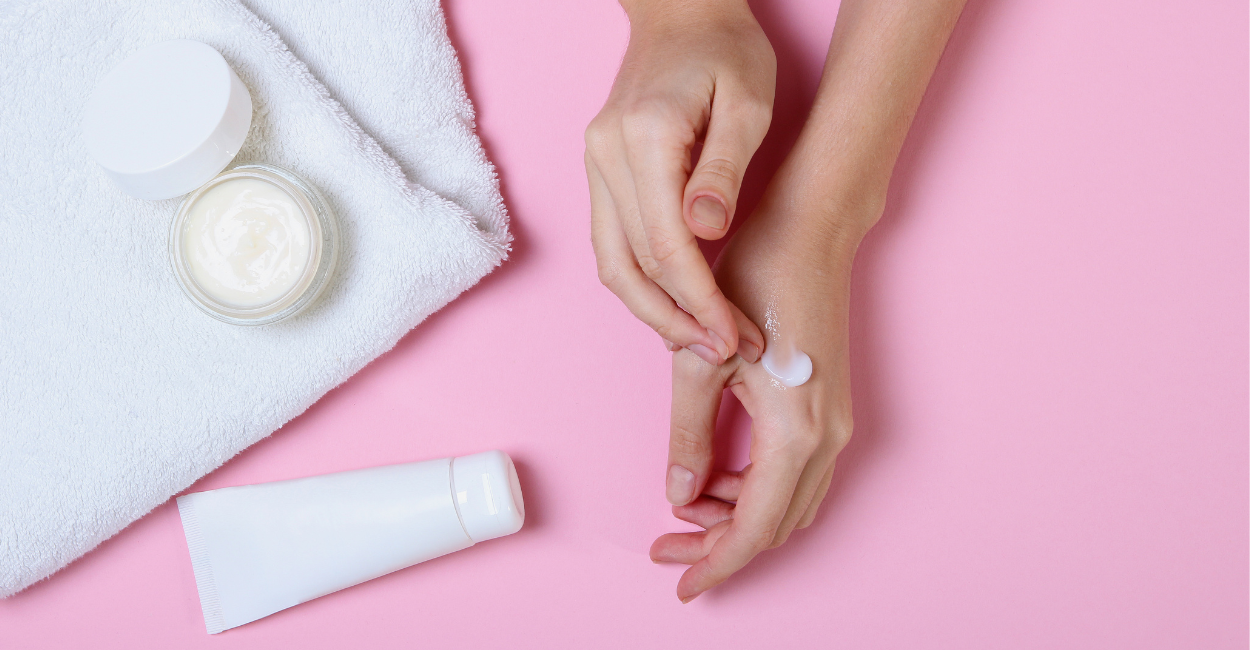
x=840, y=434
x=598, y=140
x=685, y=442
x=609, y=276
x=650, y=267
x=689, y=368
x=704, y=297
x=668, y=325
x=664, y=330
x=759, y=540
x=663, y=246
x=719, y=171
x=647, y=119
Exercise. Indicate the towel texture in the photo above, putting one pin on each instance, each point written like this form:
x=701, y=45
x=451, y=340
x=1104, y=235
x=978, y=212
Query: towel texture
x=116, y=392
x=405, y=91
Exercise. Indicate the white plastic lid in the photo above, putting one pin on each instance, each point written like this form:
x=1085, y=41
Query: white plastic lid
x=168, y=119
x=487, y=494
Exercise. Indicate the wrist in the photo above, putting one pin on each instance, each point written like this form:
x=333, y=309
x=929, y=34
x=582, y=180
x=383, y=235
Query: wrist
x=791, y=231
x=824, y=204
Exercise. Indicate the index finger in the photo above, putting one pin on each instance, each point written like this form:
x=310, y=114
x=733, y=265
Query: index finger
x=659, y=160
x=764, y=499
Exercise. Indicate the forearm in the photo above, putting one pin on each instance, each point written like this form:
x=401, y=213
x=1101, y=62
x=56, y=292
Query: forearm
x=640, y=8
x=831, y=188
x=645, y=13
x=881, y=57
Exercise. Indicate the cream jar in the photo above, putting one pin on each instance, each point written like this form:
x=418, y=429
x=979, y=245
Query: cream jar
x=254, y=245
x=249, y=246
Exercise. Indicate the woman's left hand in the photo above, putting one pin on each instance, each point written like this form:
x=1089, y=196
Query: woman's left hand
x=788, y=268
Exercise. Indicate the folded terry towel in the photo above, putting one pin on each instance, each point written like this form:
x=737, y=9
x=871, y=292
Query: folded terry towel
x=391, y=65
x=116, y=392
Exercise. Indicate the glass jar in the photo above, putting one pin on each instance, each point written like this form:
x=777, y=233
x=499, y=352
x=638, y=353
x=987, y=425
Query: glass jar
x=255, y=245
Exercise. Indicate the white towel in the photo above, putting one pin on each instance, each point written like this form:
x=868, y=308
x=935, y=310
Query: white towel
x=391, y=65
x=116, y=392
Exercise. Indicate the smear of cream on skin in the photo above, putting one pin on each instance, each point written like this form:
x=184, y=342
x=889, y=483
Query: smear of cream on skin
x=788, y=365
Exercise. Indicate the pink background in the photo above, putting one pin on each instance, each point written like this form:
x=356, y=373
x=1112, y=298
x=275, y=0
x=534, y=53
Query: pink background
x=1050, y=366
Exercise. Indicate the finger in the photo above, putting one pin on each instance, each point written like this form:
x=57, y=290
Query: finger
x=705, y=512
x=619, y=272
x=686, y=548
x=750, y=339
x=804, y=492
x=810, y=516
x=697, y=390
x=725, y=485
x=709, y=346
x=658, y=155
x=765, y=496
x=737, y=126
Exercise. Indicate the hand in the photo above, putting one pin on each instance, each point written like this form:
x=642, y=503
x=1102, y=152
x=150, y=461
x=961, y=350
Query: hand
x=789, y=266
x=694, y=70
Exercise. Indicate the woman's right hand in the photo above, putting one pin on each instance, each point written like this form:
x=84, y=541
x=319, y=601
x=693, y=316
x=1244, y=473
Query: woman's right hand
x=695, y=71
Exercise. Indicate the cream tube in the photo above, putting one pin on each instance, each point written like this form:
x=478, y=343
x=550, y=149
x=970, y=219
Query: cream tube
x=259, y=549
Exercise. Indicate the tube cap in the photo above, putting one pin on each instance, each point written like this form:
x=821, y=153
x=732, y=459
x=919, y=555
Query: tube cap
x=487, y=495
x=167, y=119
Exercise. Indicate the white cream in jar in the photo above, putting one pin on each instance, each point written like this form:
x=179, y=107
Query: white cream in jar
x=245, y=242
x=254, y=245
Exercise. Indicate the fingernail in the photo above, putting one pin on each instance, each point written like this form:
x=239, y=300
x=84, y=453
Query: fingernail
x=680, y=489
x=704, y=353
x=747, y=350
x=709, y=212
x=668, y=344
x=689, y=598
x=721, y=348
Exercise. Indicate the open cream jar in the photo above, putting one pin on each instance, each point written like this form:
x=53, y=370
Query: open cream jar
x=254, y=245
x=250, y=246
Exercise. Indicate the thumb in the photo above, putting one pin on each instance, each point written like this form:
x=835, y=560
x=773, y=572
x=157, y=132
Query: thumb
x=735, y=130
x=697, y=391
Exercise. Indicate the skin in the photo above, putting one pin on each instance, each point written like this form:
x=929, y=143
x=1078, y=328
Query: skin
x=693, y=71
x=793, y=257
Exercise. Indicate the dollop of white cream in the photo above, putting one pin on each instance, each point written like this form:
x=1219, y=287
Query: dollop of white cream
x=246, y=242
x=787, y=364
x=790, y=369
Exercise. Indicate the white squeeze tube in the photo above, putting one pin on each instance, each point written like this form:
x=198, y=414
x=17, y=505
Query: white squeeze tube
x=259, y=549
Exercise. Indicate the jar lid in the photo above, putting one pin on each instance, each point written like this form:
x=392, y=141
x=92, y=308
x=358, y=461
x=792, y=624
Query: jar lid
x=167, y=119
